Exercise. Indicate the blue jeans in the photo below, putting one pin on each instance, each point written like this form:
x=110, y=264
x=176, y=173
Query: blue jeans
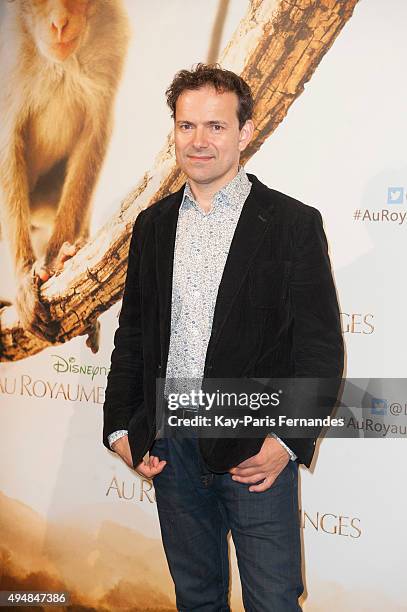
x=197, y=509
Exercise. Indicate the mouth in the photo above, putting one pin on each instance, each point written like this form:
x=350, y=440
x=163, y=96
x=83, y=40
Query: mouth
x=200, y=158
x=63, y=46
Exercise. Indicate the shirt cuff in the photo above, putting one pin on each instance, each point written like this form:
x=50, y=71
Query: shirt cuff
x=116, y=435
x=293, y=456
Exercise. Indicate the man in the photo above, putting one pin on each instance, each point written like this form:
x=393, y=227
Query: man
x=226, y=279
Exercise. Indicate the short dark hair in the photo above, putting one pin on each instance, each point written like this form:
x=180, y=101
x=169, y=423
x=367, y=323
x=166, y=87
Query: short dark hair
x=219, y=78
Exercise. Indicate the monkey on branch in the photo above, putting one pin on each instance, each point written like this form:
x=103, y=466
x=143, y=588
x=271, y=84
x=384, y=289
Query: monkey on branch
x=60, y=66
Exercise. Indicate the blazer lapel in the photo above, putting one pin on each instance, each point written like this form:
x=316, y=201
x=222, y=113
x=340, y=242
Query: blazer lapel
x=251, y=228
x=165, y=233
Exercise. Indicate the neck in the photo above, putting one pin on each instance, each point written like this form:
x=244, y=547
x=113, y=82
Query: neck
x=204, y=192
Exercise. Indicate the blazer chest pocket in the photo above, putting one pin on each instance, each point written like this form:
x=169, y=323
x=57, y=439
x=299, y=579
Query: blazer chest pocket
x=269, y=282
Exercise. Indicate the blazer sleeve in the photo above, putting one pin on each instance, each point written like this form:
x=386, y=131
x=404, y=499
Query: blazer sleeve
x=317, y=348
x=124, y=391
x=317, y=341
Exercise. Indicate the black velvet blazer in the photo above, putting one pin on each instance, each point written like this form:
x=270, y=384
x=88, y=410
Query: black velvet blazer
x=276, y=315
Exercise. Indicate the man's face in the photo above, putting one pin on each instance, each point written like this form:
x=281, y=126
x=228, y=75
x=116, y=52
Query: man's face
x=208, y=141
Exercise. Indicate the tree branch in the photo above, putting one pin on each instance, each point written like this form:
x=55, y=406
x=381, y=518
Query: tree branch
x=276, y=48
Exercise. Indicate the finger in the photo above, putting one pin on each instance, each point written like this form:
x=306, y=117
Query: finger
x=263, y=486
x=152, y=461
x=159, y=466
x=59, y=263
x=79, y=243
x=41, y=273
x=149, y=472
x=247, y=463
x=249, y=471
x=67, y=248
x=250, y=463
x=250, y=479
x=156, y=469
x=70, y=248
x=44, y=274
x=67, y=251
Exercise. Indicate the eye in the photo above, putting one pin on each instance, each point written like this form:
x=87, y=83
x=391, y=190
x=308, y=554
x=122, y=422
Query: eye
x=217, y=127
x=184, y=126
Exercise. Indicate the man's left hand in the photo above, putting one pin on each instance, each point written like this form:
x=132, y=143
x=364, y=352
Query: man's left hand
x=266, y=465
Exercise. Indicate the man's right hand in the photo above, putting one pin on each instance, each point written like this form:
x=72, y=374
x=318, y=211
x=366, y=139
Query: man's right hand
x=147, y=468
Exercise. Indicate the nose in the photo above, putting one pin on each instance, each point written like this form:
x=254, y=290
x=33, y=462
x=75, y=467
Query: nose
x=59, y=23
x=200, y=139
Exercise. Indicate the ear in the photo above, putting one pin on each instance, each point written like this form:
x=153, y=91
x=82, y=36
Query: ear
x=246, y=134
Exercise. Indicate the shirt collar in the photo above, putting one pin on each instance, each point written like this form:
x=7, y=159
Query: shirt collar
x=233, y=194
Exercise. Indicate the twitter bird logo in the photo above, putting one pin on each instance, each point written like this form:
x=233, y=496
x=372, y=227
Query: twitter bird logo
x=379, y=406
x=395, y=195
